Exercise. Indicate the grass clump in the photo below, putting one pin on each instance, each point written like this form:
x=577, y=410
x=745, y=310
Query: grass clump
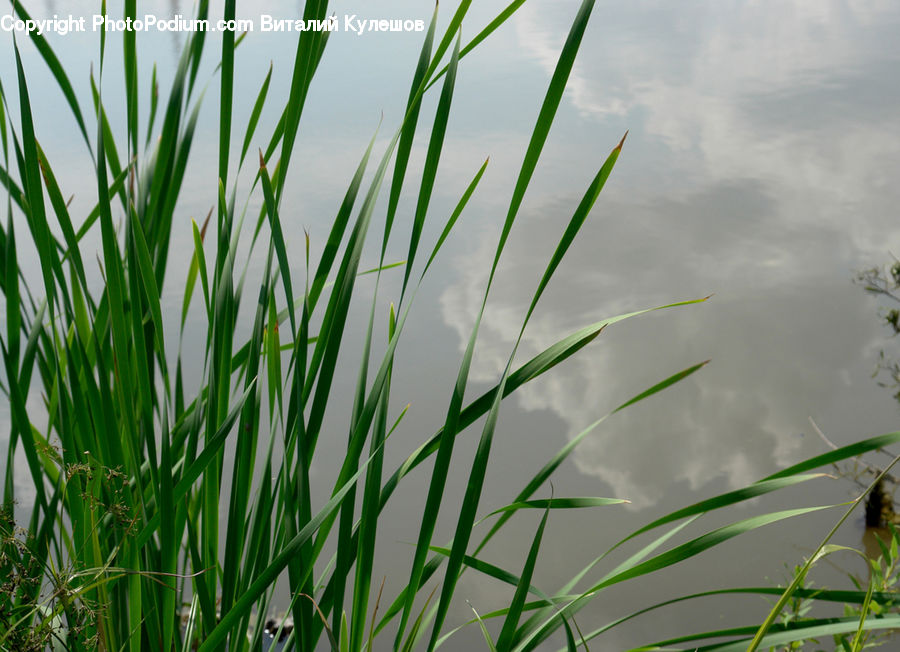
x=143, y=533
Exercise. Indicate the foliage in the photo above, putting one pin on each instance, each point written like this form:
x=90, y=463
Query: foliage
x=144, y=533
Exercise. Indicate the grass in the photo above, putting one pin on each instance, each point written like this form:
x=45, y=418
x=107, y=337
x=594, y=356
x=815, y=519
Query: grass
x=143, y=533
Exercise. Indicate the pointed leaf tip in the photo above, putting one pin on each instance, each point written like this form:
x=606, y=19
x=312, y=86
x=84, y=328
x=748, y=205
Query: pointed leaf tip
x=262, y=160
x=622, y=142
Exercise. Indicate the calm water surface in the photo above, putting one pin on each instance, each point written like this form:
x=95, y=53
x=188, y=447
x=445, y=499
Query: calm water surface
x=760, y=167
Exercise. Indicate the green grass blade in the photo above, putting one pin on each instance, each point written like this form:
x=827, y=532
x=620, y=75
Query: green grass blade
x=278, y=239
x=338, y=227
x=432, y=158
x=267, y=575
x=198, y=464
x=484, y=631
x=408, y=130
x=559, y=503
x=515, y=608
x=154, y=104
x=781, y=636
x=498, y=20
x=535, y=367
x=550, y=467
x=675, y=555
x=129, y=62
x=844, y=452
x=545, y=120
x=226, y=92
x=454, y=216
x=255, y=113
x=578, y=219
x=801, y=574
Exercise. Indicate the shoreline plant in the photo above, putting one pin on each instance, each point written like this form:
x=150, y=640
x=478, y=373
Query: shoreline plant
x=144, y=534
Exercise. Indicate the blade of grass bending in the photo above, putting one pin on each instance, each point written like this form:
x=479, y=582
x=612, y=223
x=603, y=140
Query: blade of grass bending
x=571, y=646
x=12, y=188
x=432, y=159
x=801, y=574
x=675, y=555
x=4, y=137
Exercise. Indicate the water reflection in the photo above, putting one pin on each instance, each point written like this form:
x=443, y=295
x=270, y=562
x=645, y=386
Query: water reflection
x=759, y=167
x=762, y=134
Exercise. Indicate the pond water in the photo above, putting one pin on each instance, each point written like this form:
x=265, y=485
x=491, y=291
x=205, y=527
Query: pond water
x=760, y=167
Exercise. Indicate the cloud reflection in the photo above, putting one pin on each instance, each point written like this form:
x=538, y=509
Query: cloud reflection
x=766, y=130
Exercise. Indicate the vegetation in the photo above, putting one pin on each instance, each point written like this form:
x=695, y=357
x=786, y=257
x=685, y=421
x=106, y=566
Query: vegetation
x=144, y=533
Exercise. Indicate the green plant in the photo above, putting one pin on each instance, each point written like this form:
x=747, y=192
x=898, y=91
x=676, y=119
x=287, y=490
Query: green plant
x=127, y=547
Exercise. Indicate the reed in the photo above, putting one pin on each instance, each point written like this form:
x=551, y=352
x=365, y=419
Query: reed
x=143, y=533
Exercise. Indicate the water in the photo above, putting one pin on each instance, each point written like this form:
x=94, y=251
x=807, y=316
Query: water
x=759, y=167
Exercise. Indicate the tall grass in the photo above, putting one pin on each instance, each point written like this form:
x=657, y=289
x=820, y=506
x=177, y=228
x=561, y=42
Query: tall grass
x=143, y=533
